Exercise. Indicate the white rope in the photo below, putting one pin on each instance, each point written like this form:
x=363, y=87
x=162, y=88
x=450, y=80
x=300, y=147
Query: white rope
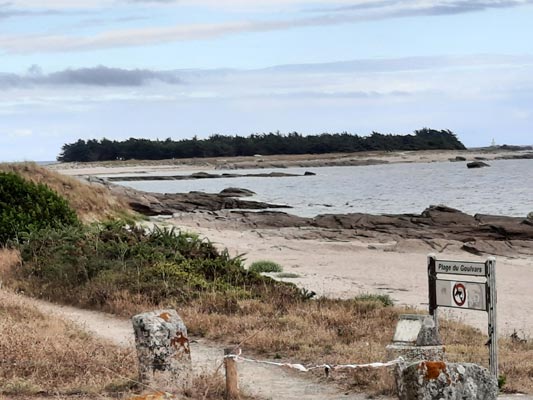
x=327, y=367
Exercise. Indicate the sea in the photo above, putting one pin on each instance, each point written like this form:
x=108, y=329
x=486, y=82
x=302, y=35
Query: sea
x=504, y=188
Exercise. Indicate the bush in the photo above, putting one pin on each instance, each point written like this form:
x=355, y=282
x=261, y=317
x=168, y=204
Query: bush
x=97, y=264
x=25, y=207
x=265, y=266
x=382, y=299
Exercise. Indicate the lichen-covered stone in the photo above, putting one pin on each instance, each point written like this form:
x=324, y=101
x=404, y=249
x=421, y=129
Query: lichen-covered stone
x=429, y=334
x=415, y=353
x=437, y=380
x=163, y=350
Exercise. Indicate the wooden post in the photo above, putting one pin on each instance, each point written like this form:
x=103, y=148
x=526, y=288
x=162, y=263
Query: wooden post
x=491, y=303
x=432, y=286
x=232, y=376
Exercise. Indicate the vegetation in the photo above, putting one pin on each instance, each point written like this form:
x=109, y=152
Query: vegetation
x=265, y=144
x=383, y=299
x=265, y=266
x=47, y=356
x=26, y=207
x=90, y=202
x=98, y=265
x=287, y=275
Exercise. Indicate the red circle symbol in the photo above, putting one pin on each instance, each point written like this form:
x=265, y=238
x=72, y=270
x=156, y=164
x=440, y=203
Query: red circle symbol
x=459, y=294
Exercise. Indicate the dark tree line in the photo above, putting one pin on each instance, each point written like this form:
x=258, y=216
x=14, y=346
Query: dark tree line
x=264, y=144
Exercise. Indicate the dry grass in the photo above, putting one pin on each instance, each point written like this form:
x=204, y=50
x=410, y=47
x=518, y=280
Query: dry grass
x=43, y=355
x=466, y=344
x=9, y=260
x=334, y=332
x=91, y=202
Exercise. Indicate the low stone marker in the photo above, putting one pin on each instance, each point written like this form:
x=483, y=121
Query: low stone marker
x=437, y=380
x=163, y=350
x=416, y=339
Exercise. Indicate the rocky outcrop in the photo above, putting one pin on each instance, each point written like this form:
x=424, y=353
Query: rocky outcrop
x=170, y=203
x=477, y=164
x=236, y=192
x=478, y=234
x=437, y=380
x=197, y=175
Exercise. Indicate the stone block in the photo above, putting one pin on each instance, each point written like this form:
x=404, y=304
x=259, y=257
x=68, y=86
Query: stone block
x=437, y=380
x=416, y=329
x=163, y=350
x=415, y=353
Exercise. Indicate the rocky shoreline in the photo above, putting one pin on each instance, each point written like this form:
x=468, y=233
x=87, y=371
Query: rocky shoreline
x=437, y=225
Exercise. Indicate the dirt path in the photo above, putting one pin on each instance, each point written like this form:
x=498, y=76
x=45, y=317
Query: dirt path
x=262, y=381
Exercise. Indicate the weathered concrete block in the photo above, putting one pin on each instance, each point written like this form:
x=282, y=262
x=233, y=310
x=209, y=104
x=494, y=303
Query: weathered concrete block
x=415, y=353
x=163, y=350
x=437, y=380
x=416, y=339
x=416, y=329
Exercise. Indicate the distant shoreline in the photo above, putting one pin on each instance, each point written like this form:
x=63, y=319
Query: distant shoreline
x=283, y=161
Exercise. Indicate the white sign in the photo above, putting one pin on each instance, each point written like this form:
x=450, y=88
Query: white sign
x=460, y=268
x=471, y=295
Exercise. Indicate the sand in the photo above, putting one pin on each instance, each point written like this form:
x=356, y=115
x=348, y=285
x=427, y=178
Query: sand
x=350, y=268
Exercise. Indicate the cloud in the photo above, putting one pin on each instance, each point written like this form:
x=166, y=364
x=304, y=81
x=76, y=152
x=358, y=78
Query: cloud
x=399, y=8
x=353, y=13
x=7, y=11
x=96, y=76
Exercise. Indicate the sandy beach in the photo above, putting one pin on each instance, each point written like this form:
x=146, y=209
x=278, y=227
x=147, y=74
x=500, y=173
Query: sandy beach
x=345, y=267
x=348, y=268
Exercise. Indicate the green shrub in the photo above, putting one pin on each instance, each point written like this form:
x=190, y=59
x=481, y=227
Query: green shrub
x=93, y=265
x=25, y=206
x=265, y=266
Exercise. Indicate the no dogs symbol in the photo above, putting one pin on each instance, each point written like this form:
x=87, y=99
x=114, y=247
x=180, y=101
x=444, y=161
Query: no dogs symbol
x=459, y=294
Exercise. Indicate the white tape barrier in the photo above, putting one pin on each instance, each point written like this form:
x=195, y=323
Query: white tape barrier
x=326, y=367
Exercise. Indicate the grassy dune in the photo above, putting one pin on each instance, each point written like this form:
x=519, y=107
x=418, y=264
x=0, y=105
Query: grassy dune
x=91, y=202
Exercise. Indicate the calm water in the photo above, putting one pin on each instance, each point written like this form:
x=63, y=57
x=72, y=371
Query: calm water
x=505, y=188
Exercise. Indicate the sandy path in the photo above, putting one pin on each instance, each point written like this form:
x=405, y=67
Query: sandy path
x=345, y=269
x=261, y=381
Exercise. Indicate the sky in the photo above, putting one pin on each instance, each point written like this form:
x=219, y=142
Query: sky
x=89, y=69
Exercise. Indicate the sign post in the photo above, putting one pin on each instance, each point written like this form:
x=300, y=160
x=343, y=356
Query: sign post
x=472, y=295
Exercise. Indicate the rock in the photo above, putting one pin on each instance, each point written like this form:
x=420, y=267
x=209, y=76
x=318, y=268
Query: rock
x=196, y=175
x=480, y=158
x=428, y=380
x=169, y=203
x=163, y=350
x=477, y=164
x=428, y=334
x=309, y=173
x=236, y=192
x=458, y=158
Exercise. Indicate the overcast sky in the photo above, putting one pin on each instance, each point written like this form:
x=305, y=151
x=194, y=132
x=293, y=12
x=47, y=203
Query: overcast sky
x=176, y=68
